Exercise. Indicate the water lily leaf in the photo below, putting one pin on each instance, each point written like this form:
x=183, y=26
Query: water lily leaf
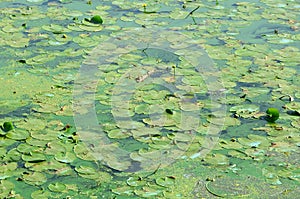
x=46, y=134
x=91, y=173
x=55, y=28
x=41, y=194
x=142, y=109
x=18, y=134
x=124, y=124
x=232, y=144
x=12, y=155
x=34, y=157
x=166, y=181
x=34, y=178
x=5, y=188
x=145, y=132
x=178, y=14
x=85, y=170
x=217, y=159
x=40, y=59
x=82, y=152
x=119, y=134
x=294, y=106
x=11, y=28
x=162, y=144
x=238, y=154
x=52, y=165
x=223, y=187
x=256, y=154
x=125, y=191
x=296, y=124
x=181, y=137
x=32, y=124
x=152, y=159
x=284, y=147
x=65, y=157
x=245, y=111
x=254, y=141
x=57, y=187
x=26, y=148
x=84, y=39
x=122, y=112
x=148, y=192
x=189, y=121
x=36, y=142
x=135, y=181
x=21, y=40
x=54, y=148
x=6, y=169
x=188, y=106
x=104, y=177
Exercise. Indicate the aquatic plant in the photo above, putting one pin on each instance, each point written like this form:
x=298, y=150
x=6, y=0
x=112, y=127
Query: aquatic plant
x=272, y=114
x=7, y=126
x=96, y=19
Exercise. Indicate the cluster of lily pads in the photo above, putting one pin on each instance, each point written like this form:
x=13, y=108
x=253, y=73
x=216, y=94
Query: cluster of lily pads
x=255, y=46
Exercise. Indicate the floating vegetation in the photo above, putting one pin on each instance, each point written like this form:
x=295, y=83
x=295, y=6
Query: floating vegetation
x=119, y=99
x=7, y=126
x=96, y=19
x=272, y=114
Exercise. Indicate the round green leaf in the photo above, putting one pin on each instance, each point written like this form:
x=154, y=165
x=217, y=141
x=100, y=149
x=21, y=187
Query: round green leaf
x=57, y=187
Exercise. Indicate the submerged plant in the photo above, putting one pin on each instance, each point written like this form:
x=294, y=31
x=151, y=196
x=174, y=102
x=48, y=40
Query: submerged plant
x=272, y=114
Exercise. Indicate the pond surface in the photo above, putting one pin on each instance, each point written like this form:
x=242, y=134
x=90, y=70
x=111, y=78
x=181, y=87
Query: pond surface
x=128, y=99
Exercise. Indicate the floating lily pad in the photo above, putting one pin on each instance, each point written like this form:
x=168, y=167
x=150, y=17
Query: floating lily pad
x=40, y=194
x=65, y=157
x=34, y=178
x=55, y=28
x=57, y=187
x=12, y=155
x=18, y=134
x=125, y=191
x=148, y=192
x=83, y=152
x=166, y=181
x=34, y=157
x=135, y=181
x=217, y=159
x=254, y=141
x=5, y=188
x=245, y=110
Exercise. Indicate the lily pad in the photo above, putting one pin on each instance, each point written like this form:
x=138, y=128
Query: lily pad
x=18, y=134
x=57, y=187
x=34, y=178
x=166, y=181
x=34, y=157
x=67, y=157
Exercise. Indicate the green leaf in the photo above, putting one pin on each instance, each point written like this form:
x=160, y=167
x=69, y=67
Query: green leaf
x=7, y=126
x=272, y=114
x=96, y=19
x=57, y=187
